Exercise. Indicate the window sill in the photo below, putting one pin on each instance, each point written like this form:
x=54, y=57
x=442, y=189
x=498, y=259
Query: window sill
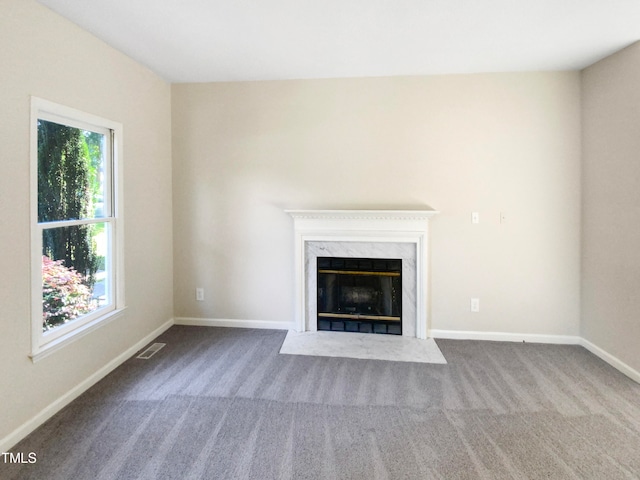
x=55, y=345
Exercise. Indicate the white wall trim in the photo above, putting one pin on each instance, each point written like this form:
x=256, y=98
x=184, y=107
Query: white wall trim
x=30, y=425
x=611, y=360
x=505, y=337
x=233, y=323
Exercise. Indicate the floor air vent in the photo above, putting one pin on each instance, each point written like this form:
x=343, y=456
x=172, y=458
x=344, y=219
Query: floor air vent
x=149, y=352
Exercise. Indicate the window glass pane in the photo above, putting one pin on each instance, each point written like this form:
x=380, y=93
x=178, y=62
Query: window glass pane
x=75, y=263
x=71, y=173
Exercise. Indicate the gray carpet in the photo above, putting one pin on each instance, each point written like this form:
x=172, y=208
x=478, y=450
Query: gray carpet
x=220, y=403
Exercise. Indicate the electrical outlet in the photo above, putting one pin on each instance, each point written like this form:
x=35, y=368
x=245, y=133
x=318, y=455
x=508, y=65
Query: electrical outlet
x=475, y=217
x=503, y=217
x=475, y=304
x=200, y=294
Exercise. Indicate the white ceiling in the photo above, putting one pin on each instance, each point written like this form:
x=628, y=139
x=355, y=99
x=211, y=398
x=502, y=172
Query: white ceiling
x=230, y=40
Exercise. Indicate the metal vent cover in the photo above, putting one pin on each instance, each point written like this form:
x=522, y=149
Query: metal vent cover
x=150, y=351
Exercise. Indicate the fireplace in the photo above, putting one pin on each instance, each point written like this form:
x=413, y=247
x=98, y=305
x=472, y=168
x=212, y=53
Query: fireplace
x=369, y=235
x=359, y=295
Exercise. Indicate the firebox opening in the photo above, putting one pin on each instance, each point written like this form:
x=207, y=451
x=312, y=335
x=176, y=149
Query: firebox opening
x=360, y=295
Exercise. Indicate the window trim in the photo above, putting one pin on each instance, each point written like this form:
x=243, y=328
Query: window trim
x=43, y=344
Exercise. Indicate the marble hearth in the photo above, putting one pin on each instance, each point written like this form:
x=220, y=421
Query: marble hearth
x=397, y=234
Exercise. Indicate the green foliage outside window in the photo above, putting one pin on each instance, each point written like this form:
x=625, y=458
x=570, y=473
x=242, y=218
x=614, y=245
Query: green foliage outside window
x=69, y=188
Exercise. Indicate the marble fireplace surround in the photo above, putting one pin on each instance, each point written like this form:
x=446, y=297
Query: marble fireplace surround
x=365, y=234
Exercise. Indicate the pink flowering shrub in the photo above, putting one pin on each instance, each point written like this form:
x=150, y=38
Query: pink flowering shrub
x=64, y=295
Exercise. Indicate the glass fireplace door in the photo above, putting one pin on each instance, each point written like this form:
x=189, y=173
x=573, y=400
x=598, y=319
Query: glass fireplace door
x=360, y=295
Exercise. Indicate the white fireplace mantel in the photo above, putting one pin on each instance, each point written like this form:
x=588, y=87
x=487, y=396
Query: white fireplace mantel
x=358, y=227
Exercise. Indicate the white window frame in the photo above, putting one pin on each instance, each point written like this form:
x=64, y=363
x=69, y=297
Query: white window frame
x=45, y=343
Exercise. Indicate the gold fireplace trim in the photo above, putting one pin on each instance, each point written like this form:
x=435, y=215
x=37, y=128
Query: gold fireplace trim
x=359, y=272
x=351, y=316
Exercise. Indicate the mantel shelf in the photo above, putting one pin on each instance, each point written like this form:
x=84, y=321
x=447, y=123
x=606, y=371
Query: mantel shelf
x=363, y=214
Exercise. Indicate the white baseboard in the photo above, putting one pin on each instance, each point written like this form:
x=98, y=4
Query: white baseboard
x=30, y=425
x=505, y=337
x=221, y=322
x=611, y=360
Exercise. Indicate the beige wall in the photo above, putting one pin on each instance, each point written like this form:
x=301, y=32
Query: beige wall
x=43, y=55
x=243, y=152
x=611, y=205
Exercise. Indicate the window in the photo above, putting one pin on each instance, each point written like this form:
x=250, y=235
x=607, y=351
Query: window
x=76, y=224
